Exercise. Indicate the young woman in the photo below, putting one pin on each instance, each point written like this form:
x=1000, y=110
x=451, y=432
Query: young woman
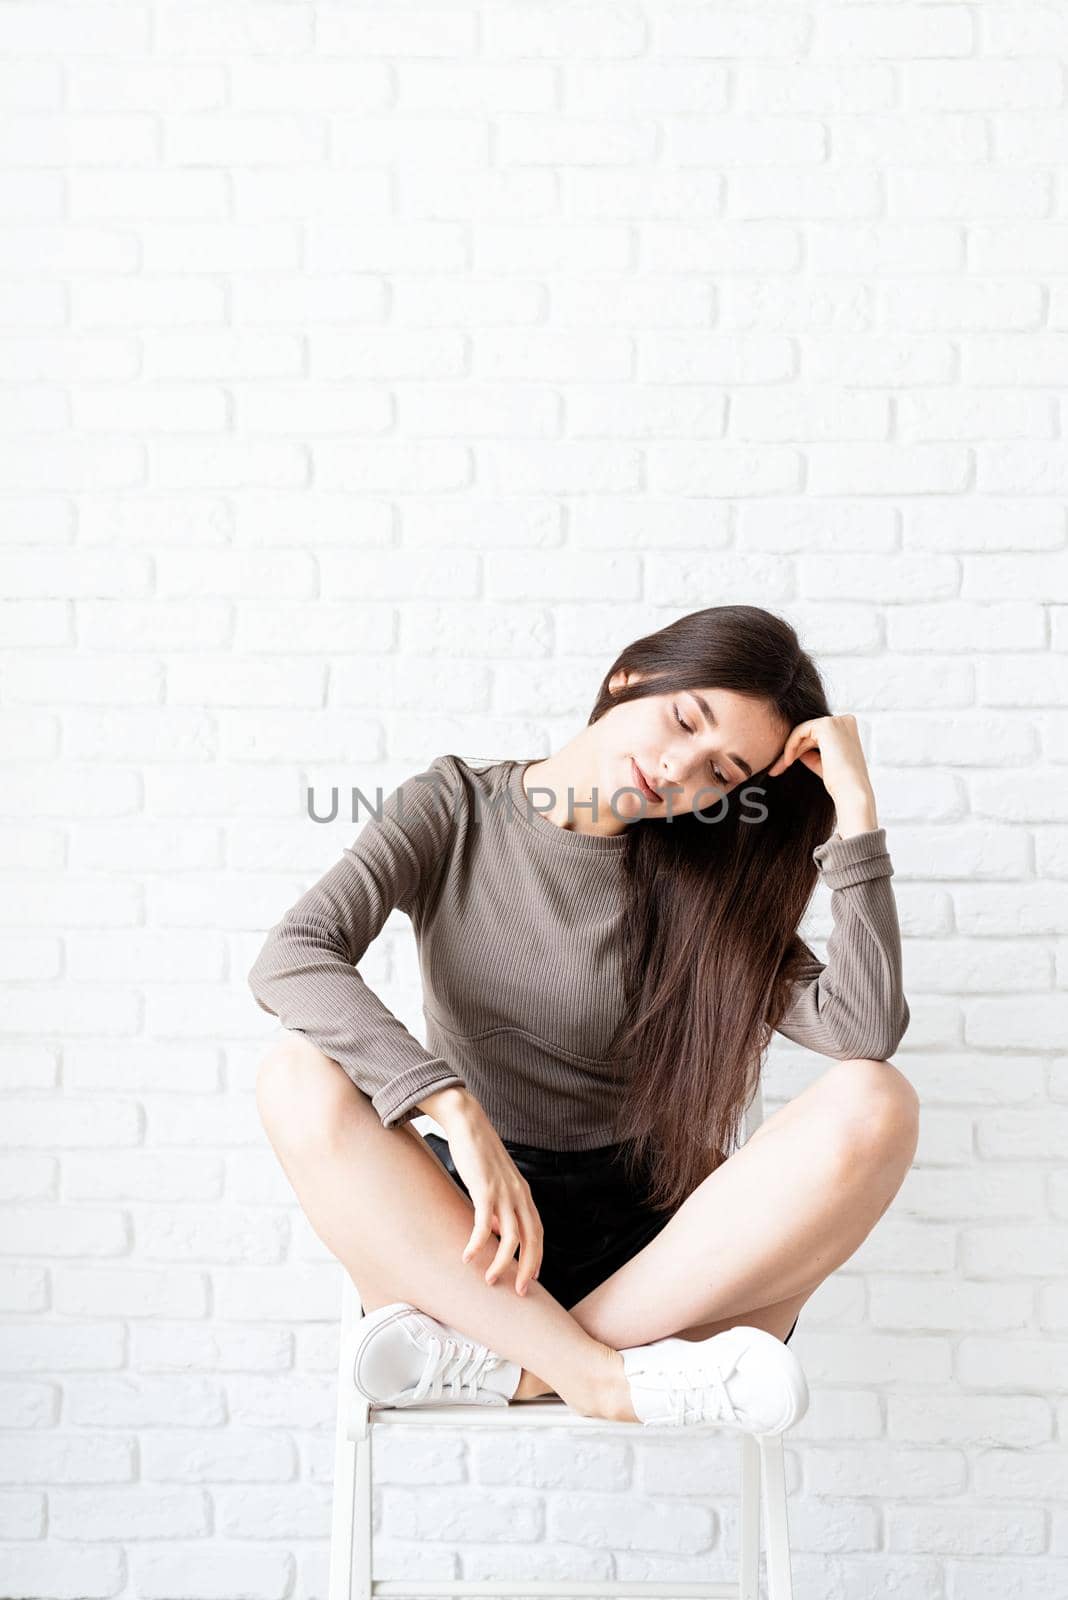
x=607, y=939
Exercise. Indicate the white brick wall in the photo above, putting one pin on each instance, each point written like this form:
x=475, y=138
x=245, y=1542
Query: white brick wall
x=371, y=374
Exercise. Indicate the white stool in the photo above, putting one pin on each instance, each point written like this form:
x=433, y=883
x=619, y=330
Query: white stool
x=763, y=1484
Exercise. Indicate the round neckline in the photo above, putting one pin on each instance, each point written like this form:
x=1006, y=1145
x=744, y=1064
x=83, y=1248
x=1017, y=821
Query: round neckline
x=604, y=844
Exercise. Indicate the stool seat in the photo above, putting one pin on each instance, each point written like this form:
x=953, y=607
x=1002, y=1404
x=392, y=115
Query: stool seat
x=543, y=1411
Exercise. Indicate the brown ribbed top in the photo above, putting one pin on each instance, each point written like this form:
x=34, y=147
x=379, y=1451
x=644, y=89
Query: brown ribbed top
x=517, y=925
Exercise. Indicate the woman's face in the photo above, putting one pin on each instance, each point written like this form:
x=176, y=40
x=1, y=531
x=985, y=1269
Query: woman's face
x=693, y=744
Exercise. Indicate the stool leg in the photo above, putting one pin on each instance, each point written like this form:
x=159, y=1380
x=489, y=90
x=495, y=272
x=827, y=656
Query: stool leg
x=352, y=1523
x=780, y=1579
x=342, y=1526
x=749, y=1532
x=361, y=1573
x=353, y=1512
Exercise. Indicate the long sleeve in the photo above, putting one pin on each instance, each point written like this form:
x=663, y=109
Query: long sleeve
x=306, y=973
x=854, y=1005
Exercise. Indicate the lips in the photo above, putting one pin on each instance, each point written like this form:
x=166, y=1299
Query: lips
x=649, y=792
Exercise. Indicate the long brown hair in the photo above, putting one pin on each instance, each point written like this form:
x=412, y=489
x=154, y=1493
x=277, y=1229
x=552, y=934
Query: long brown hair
x=710, y=943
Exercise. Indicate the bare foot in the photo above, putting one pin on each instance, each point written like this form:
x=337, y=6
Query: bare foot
x=608, y=1395
x=531, y=1387
x=617, y=1402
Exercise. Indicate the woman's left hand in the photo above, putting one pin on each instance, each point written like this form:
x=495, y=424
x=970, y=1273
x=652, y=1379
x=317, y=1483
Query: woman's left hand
x=831, y=748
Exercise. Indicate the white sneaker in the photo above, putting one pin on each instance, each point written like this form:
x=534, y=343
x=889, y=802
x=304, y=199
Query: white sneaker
x=403, y=1357
x=743, y=1378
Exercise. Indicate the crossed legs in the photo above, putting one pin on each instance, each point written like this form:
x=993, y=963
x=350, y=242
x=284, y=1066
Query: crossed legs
x=763, y=1231
x=750, y=1244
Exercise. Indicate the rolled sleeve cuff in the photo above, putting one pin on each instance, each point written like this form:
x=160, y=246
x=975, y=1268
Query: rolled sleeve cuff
x=845, y=862
x=398, y=1101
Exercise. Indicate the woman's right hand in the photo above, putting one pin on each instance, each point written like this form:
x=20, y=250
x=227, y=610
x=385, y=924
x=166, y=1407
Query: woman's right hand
x=499, y=1192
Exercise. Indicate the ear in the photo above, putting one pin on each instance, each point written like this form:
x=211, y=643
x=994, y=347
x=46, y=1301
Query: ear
x=623, y=679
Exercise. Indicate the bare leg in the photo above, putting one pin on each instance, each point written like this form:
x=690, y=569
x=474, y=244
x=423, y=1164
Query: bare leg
x=759, y=1234
x=776, y=1218
x=343, y=1164
x=777, y=1319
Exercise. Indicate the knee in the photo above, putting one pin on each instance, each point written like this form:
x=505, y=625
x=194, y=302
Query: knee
x=300, y=1092
x=875, y=1114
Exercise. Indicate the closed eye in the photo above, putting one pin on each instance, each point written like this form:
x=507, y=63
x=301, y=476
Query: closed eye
x=716, y=773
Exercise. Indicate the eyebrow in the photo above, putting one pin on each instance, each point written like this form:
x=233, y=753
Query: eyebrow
x=706, y=712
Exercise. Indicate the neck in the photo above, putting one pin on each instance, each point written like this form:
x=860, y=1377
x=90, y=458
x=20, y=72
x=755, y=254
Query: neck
x=570, y=778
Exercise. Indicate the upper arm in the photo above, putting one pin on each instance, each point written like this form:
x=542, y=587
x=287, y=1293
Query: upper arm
x=394, y=861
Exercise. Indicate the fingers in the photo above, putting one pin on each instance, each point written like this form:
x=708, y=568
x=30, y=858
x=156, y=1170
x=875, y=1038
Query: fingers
x=480, y=1233
x=530, y=1253
x=521, y=1227
x=787, y=755
x=800, y=738
x=505, y=1250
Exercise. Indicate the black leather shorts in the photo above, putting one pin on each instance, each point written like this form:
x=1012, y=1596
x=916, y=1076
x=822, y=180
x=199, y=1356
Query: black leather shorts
x=594, y=1218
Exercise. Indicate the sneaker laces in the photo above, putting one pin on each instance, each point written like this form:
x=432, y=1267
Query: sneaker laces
x=458, y=1365
x=709, y=1401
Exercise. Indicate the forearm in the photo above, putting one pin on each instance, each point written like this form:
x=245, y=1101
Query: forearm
x=304, y=978
x=854, y=1004
x=856, y=814
x=451, y=1105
